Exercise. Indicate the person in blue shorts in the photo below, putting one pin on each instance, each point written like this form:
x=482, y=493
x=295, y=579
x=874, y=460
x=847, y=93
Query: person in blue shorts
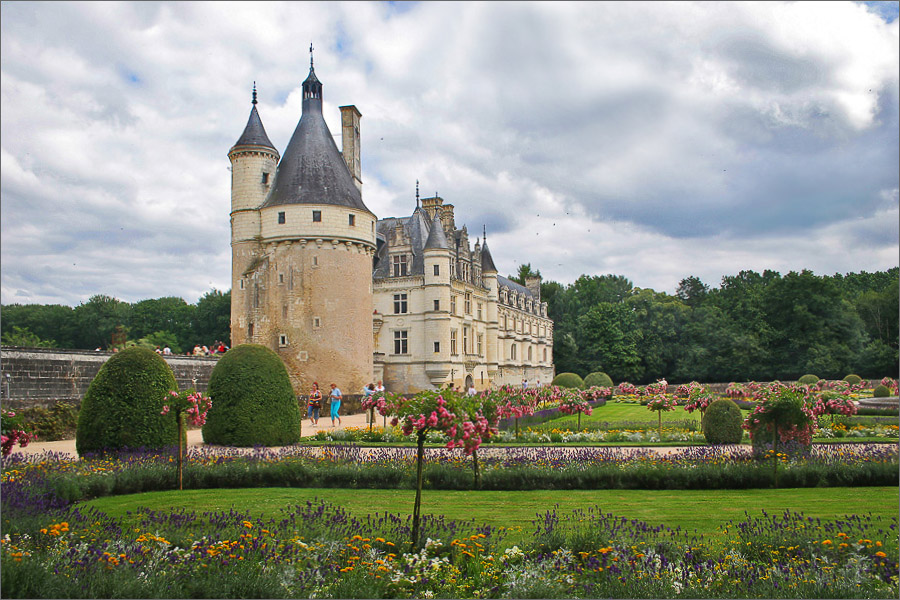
x=335, y=396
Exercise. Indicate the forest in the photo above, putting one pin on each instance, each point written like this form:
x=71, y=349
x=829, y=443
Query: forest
x=753, y=326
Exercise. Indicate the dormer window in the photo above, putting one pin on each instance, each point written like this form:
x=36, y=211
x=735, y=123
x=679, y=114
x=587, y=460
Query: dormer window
x=399, y=264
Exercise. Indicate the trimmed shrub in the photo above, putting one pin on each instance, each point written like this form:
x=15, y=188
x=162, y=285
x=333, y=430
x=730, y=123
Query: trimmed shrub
x=722, y=423
x=598, y=379
x=808, y=380
x=253, y=401
x=121, y=408
x=568, y=380
x=882, y=391
x=853, y=379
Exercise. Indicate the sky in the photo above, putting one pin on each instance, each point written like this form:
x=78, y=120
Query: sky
x=655, y=141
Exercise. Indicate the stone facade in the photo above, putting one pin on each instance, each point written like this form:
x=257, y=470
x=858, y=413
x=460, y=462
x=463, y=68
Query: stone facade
x=41, y=377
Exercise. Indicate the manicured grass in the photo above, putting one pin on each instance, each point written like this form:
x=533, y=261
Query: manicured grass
x=703, y=511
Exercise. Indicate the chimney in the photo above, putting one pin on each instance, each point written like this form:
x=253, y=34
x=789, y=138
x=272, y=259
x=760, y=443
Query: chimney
x=350, y=142
x=534, y=286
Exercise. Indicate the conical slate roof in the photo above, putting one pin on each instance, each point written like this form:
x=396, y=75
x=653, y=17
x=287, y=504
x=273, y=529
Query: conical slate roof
x=312, y=170
x=436, y=238
x=487, y=262
x=254, y=133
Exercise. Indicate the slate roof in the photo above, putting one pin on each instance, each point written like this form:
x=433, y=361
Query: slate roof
x=254, y=133
x=436, y=237
x=512, y=285
x=312, y=170
x=487, y=261
x=417, y=229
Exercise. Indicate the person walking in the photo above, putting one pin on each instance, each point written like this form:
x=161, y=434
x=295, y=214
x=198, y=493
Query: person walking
x=315, y=404
x=335, y=396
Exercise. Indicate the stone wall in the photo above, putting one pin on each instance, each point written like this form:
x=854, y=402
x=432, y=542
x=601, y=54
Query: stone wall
x=41, y=377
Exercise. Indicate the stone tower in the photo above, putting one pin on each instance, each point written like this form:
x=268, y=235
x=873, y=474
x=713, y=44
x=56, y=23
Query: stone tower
x=302, y=254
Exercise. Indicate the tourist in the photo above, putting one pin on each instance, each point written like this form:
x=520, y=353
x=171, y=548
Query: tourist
x=167, y=351
x=471, y=391
x=379, y=387
x=335, y=397
x=315, y=404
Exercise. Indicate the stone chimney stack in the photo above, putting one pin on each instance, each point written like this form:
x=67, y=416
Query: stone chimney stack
x=534, y=286
x=350, y=142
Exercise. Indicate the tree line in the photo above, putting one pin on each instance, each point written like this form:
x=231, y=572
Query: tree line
x=752, y=327
x=162, y=322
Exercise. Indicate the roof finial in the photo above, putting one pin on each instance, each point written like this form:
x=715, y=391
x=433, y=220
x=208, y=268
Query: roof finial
x=254, y=93
x=417, y=193
x=310, y=56
x=484, y=233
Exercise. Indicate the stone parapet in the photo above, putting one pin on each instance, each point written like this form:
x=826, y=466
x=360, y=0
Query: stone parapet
x=43, y=377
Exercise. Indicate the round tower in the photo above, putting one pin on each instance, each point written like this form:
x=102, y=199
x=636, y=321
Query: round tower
x=253, y=162
x=437, y=303
x=313, y=266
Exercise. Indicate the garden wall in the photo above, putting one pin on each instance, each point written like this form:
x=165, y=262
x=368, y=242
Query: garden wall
x=42, y=377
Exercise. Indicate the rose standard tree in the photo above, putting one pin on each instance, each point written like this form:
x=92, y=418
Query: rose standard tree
x=451, y=414
x=190, y=406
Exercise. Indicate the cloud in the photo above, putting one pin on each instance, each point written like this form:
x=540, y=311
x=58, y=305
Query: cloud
x=651, y=140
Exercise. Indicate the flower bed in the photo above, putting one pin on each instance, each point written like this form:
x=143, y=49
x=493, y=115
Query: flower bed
x=319, y=550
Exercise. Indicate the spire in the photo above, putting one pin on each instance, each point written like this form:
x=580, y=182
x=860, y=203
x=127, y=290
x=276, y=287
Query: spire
x=436, y=238
x=254, y=133
x=417, y=193
x=312, y=88
x=487, y=261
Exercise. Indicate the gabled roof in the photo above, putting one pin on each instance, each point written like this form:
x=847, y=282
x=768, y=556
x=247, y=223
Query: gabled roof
x=312, y=170
x=416, y=229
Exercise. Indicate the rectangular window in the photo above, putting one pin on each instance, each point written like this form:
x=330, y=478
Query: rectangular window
x=479, y=311
x=437, y=305
x=281, y=278
x=315, y=261
x=250, y=331
x=437, y=269
x=453, y=341
x=282, y=340
x=400, y=342
x=468, y=303
x=265, y=178
x=281, y=219
x=352, y=220
x=399, y=263
x=400, y=304
x=452, y=305
x=480, y=341
x=317, y=216
x=465, y=347
x=317, y=322
x=437, y=346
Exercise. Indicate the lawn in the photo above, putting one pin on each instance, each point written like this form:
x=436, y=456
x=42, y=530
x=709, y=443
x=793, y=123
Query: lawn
x=703, y=511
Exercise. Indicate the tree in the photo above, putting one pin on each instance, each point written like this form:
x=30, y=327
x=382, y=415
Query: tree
x=607, y=341
x=212, y=320
x=525, y=271
x=20, y=336
x=692, y=291
x=170, y=314
x=98, y=318
x=47, y=322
